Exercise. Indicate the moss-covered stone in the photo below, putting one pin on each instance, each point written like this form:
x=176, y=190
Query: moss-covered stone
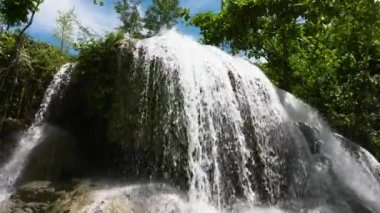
x=117, y=108
x=90, y=197
x=10, y=125
x=57, y=157
x=10, y=131
x=48, y=197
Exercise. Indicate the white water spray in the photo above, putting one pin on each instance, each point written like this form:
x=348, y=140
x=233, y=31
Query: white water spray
x=154, y=198
x=221, y=95
x=12, y=169
x=354, y=172
x=245, y=144
x=209, y=102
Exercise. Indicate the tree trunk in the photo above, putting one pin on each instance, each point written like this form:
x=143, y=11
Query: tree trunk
x=15, y=61
x=62, y=40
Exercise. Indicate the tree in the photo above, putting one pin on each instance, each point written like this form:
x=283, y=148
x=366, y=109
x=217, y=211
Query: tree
x=130, y=17
x=65, y=28
x=162, y=14
x=15, y=12
x=26, y=66
x=326, y=52
x=101, y=2
x=262, y=29
x=85, y=34
x=2, y=22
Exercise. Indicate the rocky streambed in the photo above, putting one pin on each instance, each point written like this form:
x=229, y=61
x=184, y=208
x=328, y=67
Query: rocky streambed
x=84, y=196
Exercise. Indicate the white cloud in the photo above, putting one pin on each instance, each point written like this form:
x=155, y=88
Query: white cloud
x=100, y=19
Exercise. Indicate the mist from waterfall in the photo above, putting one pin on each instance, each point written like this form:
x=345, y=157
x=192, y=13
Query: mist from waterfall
x=249, y=146
x=11, y=170
x=247, y=140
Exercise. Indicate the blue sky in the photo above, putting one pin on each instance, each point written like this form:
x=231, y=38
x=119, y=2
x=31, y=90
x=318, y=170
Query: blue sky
x=102, y=19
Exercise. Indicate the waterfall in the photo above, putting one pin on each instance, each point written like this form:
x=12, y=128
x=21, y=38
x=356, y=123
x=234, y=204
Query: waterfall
x=12, y=169
x=211, y=133
x=249, y=142
x=232, y=112
x=358, y=171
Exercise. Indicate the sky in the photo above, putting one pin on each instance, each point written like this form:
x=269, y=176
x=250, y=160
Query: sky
x=102, y=19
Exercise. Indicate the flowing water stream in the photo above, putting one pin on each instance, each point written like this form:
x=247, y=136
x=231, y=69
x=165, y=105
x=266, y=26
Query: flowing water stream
x=12, y=169
x=250, y=147
x=249, y=142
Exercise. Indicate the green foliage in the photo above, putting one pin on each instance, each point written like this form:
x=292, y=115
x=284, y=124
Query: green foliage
x=15, y=12
x=108, y=84
x=130, y=17
x=84, y=33
x=325, y=52
x=162, y=14
x=98, y=76
x=65, y=29
x=22, y=92
x=185, y=14
x=2, y=22
x=100, y=2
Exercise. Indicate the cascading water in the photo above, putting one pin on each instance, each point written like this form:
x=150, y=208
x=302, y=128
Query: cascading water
x=212, y=124
x=248, y=142
x=12, y=169
x=232, y=113
x=350, y=175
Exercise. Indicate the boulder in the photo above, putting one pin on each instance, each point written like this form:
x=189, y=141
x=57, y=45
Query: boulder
x=10, y=131
x=46, y=196
x=56, y=158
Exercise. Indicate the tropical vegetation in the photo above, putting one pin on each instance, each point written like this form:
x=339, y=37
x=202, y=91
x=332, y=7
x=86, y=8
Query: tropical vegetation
x=325, y=52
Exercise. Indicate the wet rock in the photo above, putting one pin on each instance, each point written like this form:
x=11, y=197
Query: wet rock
x=33, y=197
x=10, y=125
x=56, y=158
x=88, y=197
x=10, y=129
x=47, y=197
x=41, y=191
x=312, y=137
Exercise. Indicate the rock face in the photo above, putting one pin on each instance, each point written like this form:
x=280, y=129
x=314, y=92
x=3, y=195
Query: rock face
x=10, y=129
x=86, y=197
x=56, y=158
x=44, y=196
x=122, y=130
x=195, y=118
x=207, y=123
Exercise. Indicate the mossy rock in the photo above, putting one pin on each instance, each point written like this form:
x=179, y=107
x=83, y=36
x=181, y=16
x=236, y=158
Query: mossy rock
x=11, y=125
x=10, y=131
x=56, y=158
x=40, y=191
x=48, y=197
